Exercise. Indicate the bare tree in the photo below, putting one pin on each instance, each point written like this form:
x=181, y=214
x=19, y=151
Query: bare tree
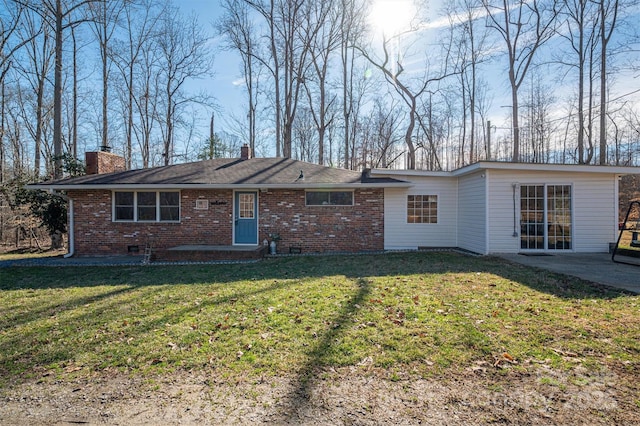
x=240, y=32
x=410, y=91
x=184, y=56
x=306, y=137
x=296, y=30
x=324, y=44
x=382, y=135
x=147, y=101
x=58, y=14
x=608, y=11
x=104, y=19
x=132, y=55
x=581, y=28
x=351, y=32
x=36, y=71
x=272, y=61
x=524, y=26
x=292, y=26
x=538, y=127
x=470, y=40
x=11, y=15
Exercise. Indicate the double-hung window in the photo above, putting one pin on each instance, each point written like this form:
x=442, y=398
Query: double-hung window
x=146, y=206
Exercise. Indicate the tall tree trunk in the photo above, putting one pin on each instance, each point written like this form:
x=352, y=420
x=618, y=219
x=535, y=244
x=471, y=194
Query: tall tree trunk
x=603, y=86
x=74, y=124
x=276, y=76
x=2, y=129
x=105, y=77
x=605, y=37
x=39, y=119
x=129, y=149
x=57, y=95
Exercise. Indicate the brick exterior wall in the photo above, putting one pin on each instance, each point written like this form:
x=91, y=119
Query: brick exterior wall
x=320, y=229
x=311, y=229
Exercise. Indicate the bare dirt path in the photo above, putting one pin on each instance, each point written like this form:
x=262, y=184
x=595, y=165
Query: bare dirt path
x=350, y=396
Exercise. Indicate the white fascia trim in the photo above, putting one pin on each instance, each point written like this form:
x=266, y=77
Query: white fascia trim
x=388, y=172
x=496, y=165
x=572, y=168
x=219, y=186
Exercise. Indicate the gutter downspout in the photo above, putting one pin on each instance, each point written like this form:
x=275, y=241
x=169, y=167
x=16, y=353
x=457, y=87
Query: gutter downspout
x=70, y=215
x=72, y=245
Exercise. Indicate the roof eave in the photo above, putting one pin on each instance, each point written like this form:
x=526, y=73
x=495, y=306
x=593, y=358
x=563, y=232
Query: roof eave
x=571, y=168
x=497, y=165
x=137, y=186
x=400, y=172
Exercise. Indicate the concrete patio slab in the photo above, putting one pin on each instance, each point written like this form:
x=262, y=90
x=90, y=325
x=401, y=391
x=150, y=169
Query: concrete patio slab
x=595, y=267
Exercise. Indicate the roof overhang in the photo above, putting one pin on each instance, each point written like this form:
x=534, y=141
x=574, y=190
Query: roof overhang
x=495, y=165
x=138, y=186
x=567, y=168
x=422, y=173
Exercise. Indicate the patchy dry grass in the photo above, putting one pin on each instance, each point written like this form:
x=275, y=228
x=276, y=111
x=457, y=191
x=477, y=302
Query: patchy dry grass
x=426, y=313
x=29, y=253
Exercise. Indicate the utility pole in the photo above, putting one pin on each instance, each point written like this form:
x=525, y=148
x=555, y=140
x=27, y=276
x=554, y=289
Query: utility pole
x=211, y=136
x=489, y=140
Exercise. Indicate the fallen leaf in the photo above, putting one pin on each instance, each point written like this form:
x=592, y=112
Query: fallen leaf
x=366, y=361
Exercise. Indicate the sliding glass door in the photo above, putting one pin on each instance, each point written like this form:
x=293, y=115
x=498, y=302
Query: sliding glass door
x=545, y=217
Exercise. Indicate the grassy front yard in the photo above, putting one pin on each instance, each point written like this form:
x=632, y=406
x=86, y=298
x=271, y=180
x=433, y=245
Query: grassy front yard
x=424, y=314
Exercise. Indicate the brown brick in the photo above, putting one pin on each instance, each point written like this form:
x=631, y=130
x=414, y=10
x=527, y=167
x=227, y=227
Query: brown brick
x=311, y=229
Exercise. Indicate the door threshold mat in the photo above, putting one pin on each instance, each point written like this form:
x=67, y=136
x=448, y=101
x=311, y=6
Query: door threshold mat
x=535, y=254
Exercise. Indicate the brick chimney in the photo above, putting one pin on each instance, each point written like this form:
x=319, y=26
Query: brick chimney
x=101, y=162
x=245, y=152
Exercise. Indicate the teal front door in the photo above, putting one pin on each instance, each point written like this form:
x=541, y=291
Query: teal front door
x=245, y=228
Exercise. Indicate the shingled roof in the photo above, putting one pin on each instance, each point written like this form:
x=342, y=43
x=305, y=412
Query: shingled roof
x=228, y=173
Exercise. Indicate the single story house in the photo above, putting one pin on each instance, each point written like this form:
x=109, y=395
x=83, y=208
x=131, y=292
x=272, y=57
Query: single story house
x=500, y=207
x=487, y=207
x=235, y=203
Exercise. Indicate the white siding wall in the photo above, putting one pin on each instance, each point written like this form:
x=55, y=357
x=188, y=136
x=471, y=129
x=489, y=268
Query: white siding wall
x=472, y=222
x=398, y=234
x=594, y=208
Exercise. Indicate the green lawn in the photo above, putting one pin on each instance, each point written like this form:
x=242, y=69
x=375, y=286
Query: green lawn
x=423, y=313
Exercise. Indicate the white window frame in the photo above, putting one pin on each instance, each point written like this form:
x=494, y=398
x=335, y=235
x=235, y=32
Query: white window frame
x=545, y=234
x=135, y=207
x=437, y=216
x=353, y=198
